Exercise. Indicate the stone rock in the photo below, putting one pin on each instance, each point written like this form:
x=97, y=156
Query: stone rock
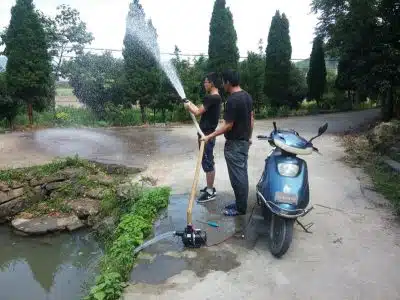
x=47, y=224
x=52, y=186
x=25, y=215
x=48, y=179
x=85, y=207
x=71, y=173
x=13, y=207
x=16, y=185
x=96, y=193
x=124, y=190
x=38, y=194
x=10, y=195
x=102, y=179
x=117, y=169
x=105, y=225
x=4, y=187
x=56, y=195
x=393, y=164
x=144, y=181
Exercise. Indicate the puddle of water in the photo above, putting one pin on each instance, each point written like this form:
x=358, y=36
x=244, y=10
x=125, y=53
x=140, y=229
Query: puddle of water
x=59, y=267
x=168, y=257
x=161, y=268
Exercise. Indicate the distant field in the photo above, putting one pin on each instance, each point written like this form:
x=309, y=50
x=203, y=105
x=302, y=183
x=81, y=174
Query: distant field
x=61, y=91
x=65, y=97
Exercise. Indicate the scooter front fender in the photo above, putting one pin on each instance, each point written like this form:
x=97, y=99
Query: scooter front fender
x=273, y=186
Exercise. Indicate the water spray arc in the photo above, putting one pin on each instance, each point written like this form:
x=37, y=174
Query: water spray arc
x=144, y=32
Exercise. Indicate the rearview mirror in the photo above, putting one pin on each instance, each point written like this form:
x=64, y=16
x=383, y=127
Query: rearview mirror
x=322, y=129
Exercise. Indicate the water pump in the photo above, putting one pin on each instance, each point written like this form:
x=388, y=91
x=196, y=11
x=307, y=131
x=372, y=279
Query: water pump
x=192, y=238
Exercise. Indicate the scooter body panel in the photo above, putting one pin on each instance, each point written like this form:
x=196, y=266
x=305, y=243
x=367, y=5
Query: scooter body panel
x=287, y=193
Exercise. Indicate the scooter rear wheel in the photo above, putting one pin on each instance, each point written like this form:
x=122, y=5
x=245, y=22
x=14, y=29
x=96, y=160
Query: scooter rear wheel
x=280, y=235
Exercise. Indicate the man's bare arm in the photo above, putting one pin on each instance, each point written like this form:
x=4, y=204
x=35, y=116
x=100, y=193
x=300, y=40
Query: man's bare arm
x=197, y=111
x=225, y=127
x=252, y=124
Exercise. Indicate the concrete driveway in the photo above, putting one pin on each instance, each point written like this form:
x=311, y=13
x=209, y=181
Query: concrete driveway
x=352, y=253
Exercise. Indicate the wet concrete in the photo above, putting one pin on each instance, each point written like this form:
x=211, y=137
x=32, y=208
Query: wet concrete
x=128, y=146
x=133, y=147
x=168, y=257
x=352, y=253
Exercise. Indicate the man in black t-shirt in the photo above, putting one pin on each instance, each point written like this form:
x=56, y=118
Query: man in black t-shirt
x=238, y=130
x=209, y=111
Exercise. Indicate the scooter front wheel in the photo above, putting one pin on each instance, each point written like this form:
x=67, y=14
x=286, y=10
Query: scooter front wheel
x=280, y=235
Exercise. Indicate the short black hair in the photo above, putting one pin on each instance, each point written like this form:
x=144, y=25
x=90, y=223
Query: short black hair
x=213, y=78
x=232, y=76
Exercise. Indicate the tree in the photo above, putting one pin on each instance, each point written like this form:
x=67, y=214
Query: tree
x=252, y=77
x=66, y=34
x=297, y=90
x=28, y=72
x=278, y=64
x=316, y=76
x=8, y=106
x=364, y=33
x=192, y=74
x=141, y=67
x=223, y=52
x=384, y=73
x=96, y=80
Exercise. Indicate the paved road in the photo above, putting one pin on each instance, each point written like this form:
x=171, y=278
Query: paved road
x=353, y=252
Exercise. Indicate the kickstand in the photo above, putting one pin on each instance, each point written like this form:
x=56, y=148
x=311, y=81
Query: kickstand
x=305, y=227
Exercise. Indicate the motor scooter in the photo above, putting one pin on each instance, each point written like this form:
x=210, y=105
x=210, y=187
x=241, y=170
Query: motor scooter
x=283, y=189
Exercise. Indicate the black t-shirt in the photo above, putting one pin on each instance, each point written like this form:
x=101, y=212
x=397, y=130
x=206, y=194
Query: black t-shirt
x=239, y=106
x=209, y=119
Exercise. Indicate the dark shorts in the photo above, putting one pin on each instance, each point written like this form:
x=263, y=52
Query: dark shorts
x=208, y=157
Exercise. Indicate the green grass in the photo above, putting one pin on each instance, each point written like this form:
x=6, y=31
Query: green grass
x=386, y=181
x=69, y=116
x=132, y=230
x=360, y=152
x=73, y=188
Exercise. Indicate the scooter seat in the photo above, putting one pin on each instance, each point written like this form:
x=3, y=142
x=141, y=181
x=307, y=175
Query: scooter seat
x=292, y=142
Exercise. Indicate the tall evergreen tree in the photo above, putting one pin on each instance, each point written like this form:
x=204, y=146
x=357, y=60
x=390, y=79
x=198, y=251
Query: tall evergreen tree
x=141, y=68
x=223, y=52
x=29, y=71
x=278, y=64
x=252, y=77
x=316, y=76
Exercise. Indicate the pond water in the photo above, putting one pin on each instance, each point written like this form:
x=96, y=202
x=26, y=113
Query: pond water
x=60, y=266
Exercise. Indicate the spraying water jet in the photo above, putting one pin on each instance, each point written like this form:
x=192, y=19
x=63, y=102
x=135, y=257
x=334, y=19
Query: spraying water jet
x=144, y=32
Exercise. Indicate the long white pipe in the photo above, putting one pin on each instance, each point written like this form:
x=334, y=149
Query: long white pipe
x=196, y=124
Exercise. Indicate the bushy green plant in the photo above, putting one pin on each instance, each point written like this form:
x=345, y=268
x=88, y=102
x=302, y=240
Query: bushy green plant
x=132, y=230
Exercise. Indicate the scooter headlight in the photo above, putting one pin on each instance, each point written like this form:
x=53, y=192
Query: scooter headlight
x=289, y=170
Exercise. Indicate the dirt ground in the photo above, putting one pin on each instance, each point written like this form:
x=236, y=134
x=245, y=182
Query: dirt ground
x=352, y=253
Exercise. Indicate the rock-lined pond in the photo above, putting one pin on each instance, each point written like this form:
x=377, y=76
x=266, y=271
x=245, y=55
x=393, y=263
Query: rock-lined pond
x=49, y=216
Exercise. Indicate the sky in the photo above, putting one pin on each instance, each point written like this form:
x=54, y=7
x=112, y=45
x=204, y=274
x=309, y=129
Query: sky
x=185, y=23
